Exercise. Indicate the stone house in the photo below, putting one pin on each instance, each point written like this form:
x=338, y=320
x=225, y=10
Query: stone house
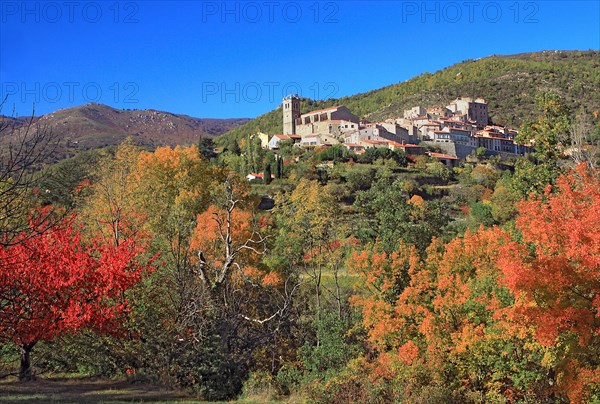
x=334, y=121
x=274, y=142
x=474, y=110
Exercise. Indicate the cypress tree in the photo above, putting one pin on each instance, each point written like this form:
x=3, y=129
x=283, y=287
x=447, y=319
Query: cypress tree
x=280, y=165
x=267, y=174
x=277, y=173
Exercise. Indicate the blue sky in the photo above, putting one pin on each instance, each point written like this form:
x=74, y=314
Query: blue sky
x=237, y=58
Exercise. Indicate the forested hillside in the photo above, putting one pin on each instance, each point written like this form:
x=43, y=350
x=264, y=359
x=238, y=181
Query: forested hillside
x=508, y=84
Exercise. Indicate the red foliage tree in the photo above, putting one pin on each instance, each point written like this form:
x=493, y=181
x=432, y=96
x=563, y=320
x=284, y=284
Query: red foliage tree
x=53, y=284
x=555, y=275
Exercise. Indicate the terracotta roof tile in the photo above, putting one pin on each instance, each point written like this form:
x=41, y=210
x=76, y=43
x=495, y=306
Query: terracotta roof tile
x=443, y=156
x=321, y=110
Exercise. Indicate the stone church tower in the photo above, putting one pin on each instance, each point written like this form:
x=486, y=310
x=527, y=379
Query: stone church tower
x=291, y=111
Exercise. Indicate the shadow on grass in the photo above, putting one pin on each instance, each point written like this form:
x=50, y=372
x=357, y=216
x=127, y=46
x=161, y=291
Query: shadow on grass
x=87, y=390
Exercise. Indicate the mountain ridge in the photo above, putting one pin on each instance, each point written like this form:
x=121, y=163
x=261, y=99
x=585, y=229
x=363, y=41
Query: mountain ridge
x=93, y=126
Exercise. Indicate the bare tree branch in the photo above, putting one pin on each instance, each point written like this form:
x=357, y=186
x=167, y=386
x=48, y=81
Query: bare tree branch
x=24, y=147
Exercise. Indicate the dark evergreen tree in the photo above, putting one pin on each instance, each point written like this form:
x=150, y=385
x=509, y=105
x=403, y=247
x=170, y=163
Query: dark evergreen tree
x=233, y=146
x=280, y=165
x=277, y=167
x=267, y=174
x=206, y=148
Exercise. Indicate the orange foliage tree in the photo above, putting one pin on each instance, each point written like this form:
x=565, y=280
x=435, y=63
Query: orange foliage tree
x=227, y=238
x=227, y=235
x=230, y=241
x=555, y=273
x=177, y=176
x=441, y=326
x=174, y=187
x=242, y=302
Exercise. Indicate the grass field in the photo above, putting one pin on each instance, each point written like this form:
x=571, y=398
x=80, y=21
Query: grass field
x=87, y=390
x=90, y=390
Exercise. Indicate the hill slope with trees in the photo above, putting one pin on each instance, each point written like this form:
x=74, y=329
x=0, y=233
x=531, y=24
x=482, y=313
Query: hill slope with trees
x=508, y=83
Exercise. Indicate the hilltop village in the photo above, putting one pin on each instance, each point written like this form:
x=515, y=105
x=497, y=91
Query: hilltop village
x=457, y=129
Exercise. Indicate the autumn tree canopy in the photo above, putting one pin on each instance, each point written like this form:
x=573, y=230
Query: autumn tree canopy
x=54, y=284
x=555, y=273
x=493, y=315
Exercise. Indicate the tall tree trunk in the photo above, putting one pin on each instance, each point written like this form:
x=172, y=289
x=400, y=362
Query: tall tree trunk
x=338, y=294
x=25, y=371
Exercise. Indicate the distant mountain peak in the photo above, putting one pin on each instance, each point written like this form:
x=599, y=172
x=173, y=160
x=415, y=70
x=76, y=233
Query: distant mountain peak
x=95, y=125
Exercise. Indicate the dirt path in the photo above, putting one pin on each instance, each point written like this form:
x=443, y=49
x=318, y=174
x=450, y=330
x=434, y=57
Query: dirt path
x=86, y=390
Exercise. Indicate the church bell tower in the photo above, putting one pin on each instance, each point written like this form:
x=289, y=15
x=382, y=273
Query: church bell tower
x=291, y=112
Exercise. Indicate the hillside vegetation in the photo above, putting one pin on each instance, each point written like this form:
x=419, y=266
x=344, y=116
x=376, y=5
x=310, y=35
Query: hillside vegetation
x=508, y=83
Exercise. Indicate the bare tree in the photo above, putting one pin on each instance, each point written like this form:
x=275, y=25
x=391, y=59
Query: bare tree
x=255, y=243
x=225, y=309
x=24, y=147
x=215, y=278
x=583, y=149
